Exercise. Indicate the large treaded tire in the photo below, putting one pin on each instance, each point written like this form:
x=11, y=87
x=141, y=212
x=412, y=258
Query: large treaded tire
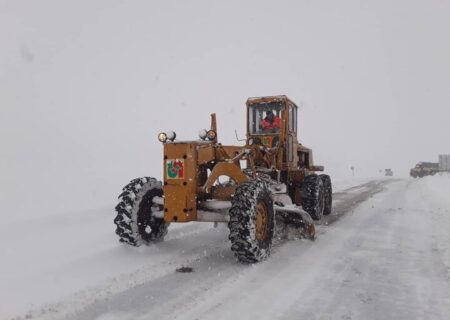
x=312, y=194
x=135, y=224
x=243, y=226
x=328, y=193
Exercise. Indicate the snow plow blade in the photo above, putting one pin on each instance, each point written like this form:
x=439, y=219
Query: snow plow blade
x=296, y=217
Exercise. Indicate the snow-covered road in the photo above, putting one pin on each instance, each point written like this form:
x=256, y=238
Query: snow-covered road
x=384, y=253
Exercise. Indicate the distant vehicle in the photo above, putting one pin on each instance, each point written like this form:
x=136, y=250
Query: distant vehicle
x=423, y=169
x=388, y=172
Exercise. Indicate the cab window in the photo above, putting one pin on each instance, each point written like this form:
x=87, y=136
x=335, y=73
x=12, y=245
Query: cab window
x=264, y=118
x=293, y=118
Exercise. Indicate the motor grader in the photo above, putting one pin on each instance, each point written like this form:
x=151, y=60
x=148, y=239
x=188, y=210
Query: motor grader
x=271, y=179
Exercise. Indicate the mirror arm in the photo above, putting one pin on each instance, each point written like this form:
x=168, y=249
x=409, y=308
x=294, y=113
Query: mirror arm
x=237, y=138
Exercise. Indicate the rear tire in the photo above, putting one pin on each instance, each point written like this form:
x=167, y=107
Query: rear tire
x=328, y=193
x=251, y=222
x=312, y=194
x=135, y=223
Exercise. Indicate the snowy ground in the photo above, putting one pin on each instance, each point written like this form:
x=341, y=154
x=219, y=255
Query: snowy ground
x=383, y=253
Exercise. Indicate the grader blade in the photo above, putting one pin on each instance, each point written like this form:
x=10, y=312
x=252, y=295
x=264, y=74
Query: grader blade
x=296, y=217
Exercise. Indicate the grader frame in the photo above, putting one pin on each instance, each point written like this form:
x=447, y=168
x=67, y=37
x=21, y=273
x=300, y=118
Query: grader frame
x=288, y=162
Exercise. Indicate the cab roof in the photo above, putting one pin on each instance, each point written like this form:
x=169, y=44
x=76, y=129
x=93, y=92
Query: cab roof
x=269, y=99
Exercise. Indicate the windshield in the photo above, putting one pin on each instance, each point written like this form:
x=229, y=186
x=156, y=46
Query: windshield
x=264, y=118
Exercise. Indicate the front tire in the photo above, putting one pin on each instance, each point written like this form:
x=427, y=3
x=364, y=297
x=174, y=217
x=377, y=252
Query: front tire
x=135, y=223
x=312, y=194
x=328, y=193
x=251, y=222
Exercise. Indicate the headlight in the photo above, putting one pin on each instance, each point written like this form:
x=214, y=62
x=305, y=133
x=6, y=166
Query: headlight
x=171, y=135
x=162, y=137
x=211, y=134
x=202, y=134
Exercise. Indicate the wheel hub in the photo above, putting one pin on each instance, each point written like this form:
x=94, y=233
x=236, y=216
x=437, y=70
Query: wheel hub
x=261, y=221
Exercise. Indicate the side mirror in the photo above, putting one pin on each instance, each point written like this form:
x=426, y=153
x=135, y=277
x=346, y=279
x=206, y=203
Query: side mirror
x=237, y=138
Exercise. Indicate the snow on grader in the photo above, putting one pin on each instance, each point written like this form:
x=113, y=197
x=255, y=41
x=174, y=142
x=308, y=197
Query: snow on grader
x=269, y=180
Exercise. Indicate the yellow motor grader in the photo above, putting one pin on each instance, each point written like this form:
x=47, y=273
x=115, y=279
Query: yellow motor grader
x=271, y=179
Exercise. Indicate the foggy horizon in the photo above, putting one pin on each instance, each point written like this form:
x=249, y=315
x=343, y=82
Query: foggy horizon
x=86, y=87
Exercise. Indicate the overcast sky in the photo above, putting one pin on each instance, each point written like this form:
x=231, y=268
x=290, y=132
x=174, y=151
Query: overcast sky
x=85, y=86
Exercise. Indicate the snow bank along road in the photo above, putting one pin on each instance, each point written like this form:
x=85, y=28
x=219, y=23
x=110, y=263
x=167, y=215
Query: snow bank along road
x=384, y=253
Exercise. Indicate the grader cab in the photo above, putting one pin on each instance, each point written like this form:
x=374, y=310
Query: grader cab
x=271, y=179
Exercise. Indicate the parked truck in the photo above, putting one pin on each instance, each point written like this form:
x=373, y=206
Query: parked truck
x=423, y=169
